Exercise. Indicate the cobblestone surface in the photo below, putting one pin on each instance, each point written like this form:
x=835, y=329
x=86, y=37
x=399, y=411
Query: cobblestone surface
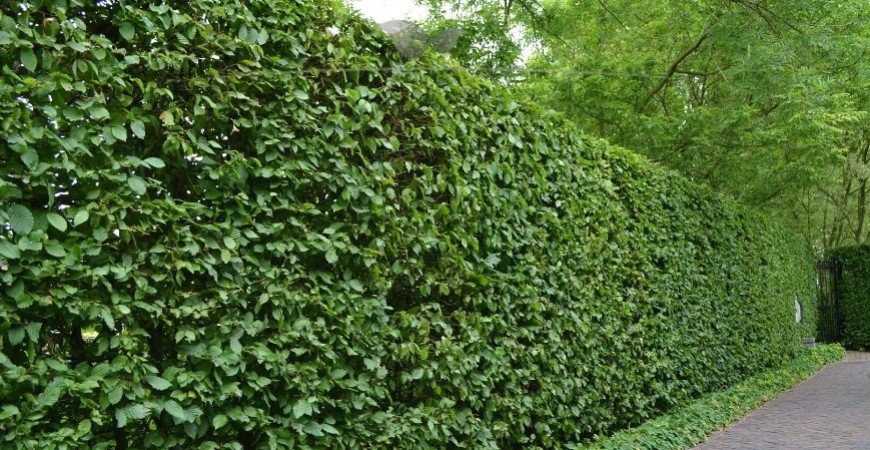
x=830, y=411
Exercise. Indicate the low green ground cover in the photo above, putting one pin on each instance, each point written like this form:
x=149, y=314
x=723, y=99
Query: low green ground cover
x=688, y=426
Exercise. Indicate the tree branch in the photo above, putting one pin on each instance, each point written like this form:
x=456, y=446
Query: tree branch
x=767, y=15
x=672, y=69
x=615, y=17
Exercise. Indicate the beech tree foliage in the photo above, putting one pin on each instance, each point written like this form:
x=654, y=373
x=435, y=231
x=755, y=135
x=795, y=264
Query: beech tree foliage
x=253, y=224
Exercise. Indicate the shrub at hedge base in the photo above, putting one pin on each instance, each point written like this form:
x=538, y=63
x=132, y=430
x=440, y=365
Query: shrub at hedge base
x=855, y=294
x=214, y=240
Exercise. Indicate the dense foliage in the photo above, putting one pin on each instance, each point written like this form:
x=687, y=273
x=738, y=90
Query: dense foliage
x=248, y=224
x=854, y=292
x=686, y=427
x=766, y=100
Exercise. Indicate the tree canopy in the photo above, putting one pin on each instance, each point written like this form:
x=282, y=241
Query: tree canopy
x=766, y=100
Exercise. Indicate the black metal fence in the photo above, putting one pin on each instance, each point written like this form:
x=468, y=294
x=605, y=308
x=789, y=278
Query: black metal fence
x=830, y=314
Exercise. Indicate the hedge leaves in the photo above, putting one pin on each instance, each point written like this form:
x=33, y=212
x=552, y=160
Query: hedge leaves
x=269, y=251
x=854, y=290
x=57, y=221
x=20, y=219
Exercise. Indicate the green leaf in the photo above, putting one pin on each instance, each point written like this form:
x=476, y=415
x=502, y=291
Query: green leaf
x=120, y=133
x=115, y=394
x=313, y=428
x=156, y=163
x=71, y=113
x=136, y=184
x=81, y=217
x=47, y=59
x=192, y=414
x=8, y=191
x=56, y=365
x=302, y=408
x=175, y=410
x=57, y=221
x=16, y=290
x=16, y=335
x=138, y=129
x=230, y=242
x=77, y=46
x=300, y=94
x=331, y=256
x=30, y=158
x=121, y=417
x=5, y=362
x=84, y=426
x=157, y=383
x=52, y=393
x=219, y=421
x=132, y=412
x=33, y=329
x=55, y=249
x=98, y=112
x=127, y=31
x=356, y=285
x=107, y=318
x=9, y=251
x=8, y=411
x=100, y=234
x=28, y=59
x=21, y=219
x=236, y=346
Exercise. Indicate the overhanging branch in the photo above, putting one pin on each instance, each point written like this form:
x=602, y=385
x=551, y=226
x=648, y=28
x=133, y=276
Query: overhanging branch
x=673, y=69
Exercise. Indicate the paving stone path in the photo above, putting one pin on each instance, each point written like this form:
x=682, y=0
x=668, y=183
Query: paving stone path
x=830, y=411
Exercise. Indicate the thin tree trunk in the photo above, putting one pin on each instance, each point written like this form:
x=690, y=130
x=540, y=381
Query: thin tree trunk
x=862, y=211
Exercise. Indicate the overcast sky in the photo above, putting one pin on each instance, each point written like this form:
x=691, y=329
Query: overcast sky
x=384, y=10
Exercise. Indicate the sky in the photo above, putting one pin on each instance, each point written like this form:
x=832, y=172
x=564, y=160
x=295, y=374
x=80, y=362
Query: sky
x=385, y=10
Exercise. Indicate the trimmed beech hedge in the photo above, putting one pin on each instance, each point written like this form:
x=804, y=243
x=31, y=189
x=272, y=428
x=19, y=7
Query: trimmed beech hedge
x=855, y=294
x=213, y=239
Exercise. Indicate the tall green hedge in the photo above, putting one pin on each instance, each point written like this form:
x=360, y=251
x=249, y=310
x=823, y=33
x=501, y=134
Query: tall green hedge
x=251, y=224
x=854, y=292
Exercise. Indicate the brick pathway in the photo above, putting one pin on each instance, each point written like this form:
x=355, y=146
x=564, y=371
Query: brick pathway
x=830, y=411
